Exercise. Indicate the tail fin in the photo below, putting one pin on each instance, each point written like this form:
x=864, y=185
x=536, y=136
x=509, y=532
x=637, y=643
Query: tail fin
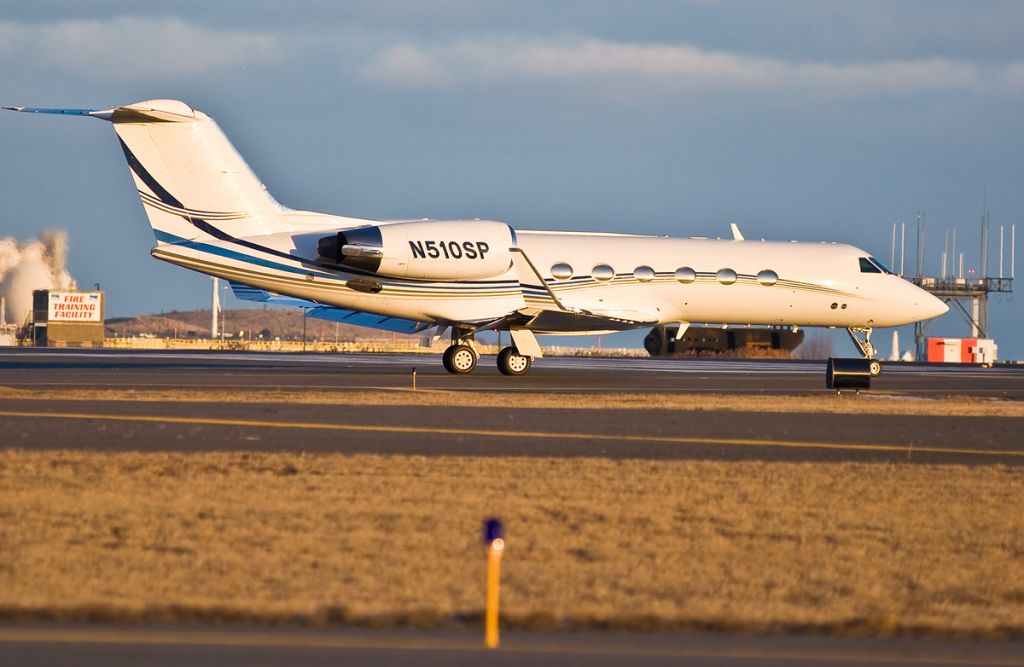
x=192, y=182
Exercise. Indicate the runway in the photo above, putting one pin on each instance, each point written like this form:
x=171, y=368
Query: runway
x=102, y=368
x=432, y=430
x=90, y=645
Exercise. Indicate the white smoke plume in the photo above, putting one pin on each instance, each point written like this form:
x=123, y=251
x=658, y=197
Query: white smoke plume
x=34, y=264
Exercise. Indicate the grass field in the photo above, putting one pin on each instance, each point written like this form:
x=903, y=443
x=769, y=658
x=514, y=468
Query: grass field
x=868, y=403
x=875, y=548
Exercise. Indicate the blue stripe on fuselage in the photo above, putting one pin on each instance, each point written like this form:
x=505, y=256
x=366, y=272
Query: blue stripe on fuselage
x=171, y=239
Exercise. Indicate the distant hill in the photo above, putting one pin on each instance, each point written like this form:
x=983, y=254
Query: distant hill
x=255, y=324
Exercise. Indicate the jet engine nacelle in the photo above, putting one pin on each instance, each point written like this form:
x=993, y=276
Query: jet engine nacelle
x=441, y=250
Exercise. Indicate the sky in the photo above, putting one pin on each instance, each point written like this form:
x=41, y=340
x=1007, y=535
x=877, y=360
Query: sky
x=812, y=120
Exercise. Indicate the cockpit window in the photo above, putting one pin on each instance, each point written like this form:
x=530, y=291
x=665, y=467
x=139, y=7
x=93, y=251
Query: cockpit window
x=866, y=266
x=883, y=267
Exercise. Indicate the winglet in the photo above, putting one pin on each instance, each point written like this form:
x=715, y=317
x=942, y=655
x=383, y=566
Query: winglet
x=737, y=235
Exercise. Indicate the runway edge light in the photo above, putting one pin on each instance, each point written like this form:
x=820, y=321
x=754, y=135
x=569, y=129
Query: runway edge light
x=494, y=540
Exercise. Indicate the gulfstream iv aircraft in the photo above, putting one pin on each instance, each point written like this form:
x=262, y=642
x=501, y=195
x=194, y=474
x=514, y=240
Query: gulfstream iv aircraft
x=210, y=213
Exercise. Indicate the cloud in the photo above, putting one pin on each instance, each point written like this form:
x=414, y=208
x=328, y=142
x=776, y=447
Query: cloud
x=131, y=48
x=664, y=67
x=1012, y=77
x=408, y=66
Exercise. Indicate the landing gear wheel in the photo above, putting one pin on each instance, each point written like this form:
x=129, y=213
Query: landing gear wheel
x=510, y=362
x=875, y=368
x=459, y=359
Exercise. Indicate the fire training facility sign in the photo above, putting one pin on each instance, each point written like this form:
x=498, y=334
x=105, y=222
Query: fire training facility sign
x=75, y=307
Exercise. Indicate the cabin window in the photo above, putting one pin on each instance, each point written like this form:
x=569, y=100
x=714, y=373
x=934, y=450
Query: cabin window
x=686, y=274
x=767, y=277
x=602, y=272
x=867, y=267
x=561, y=271
x=726, y=276
x=643, y=273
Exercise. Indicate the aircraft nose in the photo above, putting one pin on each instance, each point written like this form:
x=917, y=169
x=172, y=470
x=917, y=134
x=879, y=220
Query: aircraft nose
x=930, y=306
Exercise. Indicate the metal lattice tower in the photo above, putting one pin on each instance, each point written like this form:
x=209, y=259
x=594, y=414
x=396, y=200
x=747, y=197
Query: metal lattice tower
x=953, y=286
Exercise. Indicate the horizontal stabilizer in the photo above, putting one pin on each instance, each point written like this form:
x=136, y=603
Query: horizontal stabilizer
x=150, y=111
x=61, y=112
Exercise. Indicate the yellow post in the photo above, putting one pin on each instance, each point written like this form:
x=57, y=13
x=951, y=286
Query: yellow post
x=494, y=540
x=494, y=551
x=414, y=378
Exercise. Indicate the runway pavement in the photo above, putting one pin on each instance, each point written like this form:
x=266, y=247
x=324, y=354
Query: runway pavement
x=434, y=431
x=28, y=646
x=103, y=368
x=444, y=430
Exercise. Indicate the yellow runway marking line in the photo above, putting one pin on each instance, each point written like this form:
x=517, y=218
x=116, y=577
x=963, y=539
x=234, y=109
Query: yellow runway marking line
x=500, y=433
x=99, y=636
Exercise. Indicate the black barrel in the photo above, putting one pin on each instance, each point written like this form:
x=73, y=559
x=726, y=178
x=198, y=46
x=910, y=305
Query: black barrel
x=848, y=373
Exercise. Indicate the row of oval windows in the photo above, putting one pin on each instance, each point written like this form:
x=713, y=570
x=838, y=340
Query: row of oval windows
x=645, y=274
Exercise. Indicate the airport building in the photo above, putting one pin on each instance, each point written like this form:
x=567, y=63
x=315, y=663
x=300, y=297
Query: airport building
x=962, y=350
x=67, y=319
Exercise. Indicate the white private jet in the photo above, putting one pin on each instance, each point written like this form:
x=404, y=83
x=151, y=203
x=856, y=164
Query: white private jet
x=210, y=213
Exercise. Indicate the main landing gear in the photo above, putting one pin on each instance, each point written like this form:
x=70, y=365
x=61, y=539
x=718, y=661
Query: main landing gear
x=510, y=362
x=461, y=357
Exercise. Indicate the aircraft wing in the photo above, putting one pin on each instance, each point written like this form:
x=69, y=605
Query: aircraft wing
x=568, y=315
x=371, y=320
x=542, y=321
x=330, y=313
x=561, y=321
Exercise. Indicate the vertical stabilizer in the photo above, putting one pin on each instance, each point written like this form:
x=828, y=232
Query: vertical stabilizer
x=192, y=182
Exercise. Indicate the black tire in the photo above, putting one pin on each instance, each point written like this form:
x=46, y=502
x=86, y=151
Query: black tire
x=875, y=368
x=459, y=359
x=510, y=362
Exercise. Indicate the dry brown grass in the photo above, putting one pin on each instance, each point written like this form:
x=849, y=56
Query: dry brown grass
x=879, y=548
x=874, y=403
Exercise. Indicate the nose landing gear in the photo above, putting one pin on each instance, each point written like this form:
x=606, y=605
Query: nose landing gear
x=865, y=347
x=874, y=367
x=854, y=374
